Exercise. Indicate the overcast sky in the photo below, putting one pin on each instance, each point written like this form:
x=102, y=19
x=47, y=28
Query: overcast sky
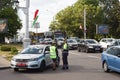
x=47, y=10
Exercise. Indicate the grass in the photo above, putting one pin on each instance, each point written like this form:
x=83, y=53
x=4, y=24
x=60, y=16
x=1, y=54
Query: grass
x=7, y=54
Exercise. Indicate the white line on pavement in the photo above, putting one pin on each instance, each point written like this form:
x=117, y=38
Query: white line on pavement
x=93, y=56
x=74, y=53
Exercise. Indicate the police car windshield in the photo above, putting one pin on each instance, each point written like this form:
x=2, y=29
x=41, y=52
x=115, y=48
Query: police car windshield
x=32, y=50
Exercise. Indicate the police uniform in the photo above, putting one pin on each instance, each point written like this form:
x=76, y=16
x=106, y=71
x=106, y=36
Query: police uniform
x=53, y=55
x=65, y=56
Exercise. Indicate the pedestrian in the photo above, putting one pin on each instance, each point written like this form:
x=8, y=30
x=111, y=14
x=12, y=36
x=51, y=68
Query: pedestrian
x=53, y=54
x=65, y=56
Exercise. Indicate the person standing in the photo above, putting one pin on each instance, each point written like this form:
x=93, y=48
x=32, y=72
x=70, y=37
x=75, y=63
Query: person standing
x=53, y=54
x=65, y=55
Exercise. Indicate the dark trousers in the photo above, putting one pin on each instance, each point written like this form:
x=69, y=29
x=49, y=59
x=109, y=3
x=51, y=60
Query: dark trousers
x=65, y=60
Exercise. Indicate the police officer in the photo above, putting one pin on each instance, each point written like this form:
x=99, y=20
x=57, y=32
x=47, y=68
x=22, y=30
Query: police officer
x=65, y=55
x=53, y=54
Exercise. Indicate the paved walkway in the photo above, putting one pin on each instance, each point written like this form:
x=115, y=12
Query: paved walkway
x=4, y=64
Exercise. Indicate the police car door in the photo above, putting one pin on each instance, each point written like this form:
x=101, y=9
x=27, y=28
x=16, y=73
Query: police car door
x=47, y=56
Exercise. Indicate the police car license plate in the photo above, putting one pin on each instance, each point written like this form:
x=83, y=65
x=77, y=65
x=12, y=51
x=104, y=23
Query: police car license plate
x=21, y=64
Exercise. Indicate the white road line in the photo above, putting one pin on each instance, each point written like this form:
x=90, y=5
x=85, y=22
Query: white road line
x=87, y=56
x=93, y=56
x=74, y=53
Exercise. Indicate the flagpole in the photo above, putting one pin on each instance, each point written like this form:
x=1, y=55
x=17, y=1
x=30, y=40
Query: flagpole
x=84, y=23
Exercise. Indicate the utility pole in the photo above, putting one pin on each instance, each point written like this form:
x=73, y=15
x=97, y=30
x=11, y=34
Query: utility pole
x=84, y=23
x=26, y=39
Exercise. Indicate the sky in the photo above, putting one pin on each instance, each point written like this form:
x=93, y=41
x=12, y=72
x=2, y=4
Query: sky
x=47, y=11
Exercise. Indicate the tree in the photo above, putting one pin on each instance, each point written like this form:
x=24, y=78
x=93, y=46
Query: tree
x=97, y=12
x=4, y=3
x=13, y=21
x=71, y=17
x=111, y=10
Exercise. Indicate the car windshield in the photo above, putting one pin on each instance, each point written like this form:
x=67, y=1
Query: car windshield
x=71, y=41
x=110, y=40
x=117, y=51
x=91, y=41
x=32, y=50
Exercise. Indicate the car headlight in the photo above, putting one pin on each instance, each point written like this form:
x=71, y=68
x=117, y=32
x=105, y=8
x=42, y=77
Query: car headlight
x=70, y=44
x=90, y=46
x=34, y=59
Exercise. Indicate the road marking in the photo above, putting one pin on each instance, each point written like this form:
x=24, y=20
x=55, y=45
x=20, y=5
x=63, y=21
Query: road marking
x=93, y=56
x=75, y=54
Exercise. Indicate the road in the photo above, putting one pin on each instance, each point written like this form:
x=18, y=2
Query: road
x=83, y=66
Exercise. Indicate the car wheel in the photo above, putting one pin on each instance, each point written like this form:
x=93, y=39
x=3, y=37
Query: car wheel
x=105, y=67
x=16, y=69
x=42, y=66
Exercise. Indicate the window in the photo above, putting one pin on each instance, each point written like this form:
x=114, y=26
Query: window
x=114, y=51
x=47, y=48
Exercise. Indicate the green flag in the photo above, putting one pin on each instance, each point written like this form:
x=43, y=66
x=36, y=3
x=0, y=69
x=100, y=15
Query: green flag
x=34, y=21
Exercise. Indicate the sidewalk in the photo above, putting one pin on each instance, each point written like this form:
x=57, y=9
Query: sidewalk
x=4, y=64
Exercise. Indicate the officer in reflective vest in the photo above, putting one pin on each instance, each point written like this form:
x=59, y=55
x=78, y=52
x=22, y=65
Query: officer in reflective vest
x=53, y=54
x=65, y=55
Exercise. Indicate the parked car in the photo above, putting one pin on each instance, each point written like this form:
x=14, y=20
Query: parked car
x=115, y=43
x=105, y=42
x=72, y=43
x=33, y=57
x=59, y=42
x=111, y=59
x=47, y=41
x=89, y=45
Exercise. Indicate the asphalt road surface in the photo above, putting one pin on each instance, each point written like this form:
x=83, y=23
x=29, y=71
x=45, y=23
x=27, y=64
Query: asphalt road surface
x=83, y=66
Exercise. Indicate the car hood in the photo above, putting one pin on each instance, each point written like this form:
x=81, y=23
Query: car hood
x=95, y=44
x=27, y=56
x=72, y=43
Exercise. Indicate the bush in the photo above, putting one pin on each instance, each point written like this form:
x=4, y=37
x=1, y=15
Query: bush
x=14, y=50
x=5, y=48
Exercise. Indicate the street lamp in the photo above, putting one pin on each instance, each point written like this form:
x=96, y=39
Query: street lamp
x=26, y=39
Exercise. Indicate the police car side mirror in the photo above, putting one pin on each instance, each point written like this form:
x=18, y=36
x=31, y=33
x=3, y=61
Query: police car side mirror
x=46, y=52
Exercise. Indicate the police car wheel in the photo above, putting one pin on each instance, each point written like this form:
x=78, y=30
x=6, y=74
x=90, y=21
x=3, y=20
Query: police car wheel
x=16, y=69
x=42, y=66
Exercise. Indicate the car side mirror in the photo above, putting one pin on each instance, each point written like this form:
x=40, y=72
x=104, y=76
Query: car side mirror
x=46, y=52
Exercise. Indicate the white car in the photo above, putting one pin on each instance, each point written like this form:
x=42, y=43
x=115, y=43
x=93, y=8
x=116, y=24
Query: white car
x=105, y=42
x=33, y=57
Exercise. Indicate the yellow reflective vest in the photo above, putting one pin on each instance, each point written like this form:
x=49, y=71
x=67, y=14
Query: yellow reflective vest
x=65, y=46
x=53, y=52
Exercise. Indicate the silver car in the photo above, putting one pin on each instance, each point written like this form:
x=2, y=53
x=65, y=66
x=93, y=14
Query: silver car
x=33, y=57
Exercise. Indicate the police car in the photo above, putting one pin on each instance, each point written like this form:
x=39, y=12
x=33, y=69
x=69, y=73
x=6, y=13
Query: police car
x=33, y=57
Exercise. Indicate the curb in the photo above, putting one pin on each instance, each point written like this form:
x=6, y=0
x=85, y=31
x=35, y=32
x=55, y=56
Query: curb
x=6, y=67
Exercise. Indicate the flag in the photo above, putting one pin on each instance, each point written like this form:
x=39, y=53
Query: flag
x=35, y=17
x=36, y=12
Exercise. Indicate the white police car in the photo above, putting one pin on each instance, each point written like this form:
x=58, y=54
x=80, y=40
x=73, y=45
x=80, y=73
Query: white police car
x=33, y=57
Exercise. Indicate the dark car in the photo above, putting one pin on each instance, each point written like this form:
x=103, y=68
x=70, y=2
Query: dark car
x=111, y=59
x=89, y=45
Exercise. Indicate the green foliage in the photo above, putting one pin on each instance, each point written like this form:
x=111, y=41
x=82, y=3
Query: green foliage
x=4, y=4
x=5, y=48
x=14, y=50
x=97, y=12
x=13, y=22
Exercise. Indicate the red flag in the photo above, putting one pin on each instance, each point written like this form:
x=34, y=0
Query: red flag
x=36, y=12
